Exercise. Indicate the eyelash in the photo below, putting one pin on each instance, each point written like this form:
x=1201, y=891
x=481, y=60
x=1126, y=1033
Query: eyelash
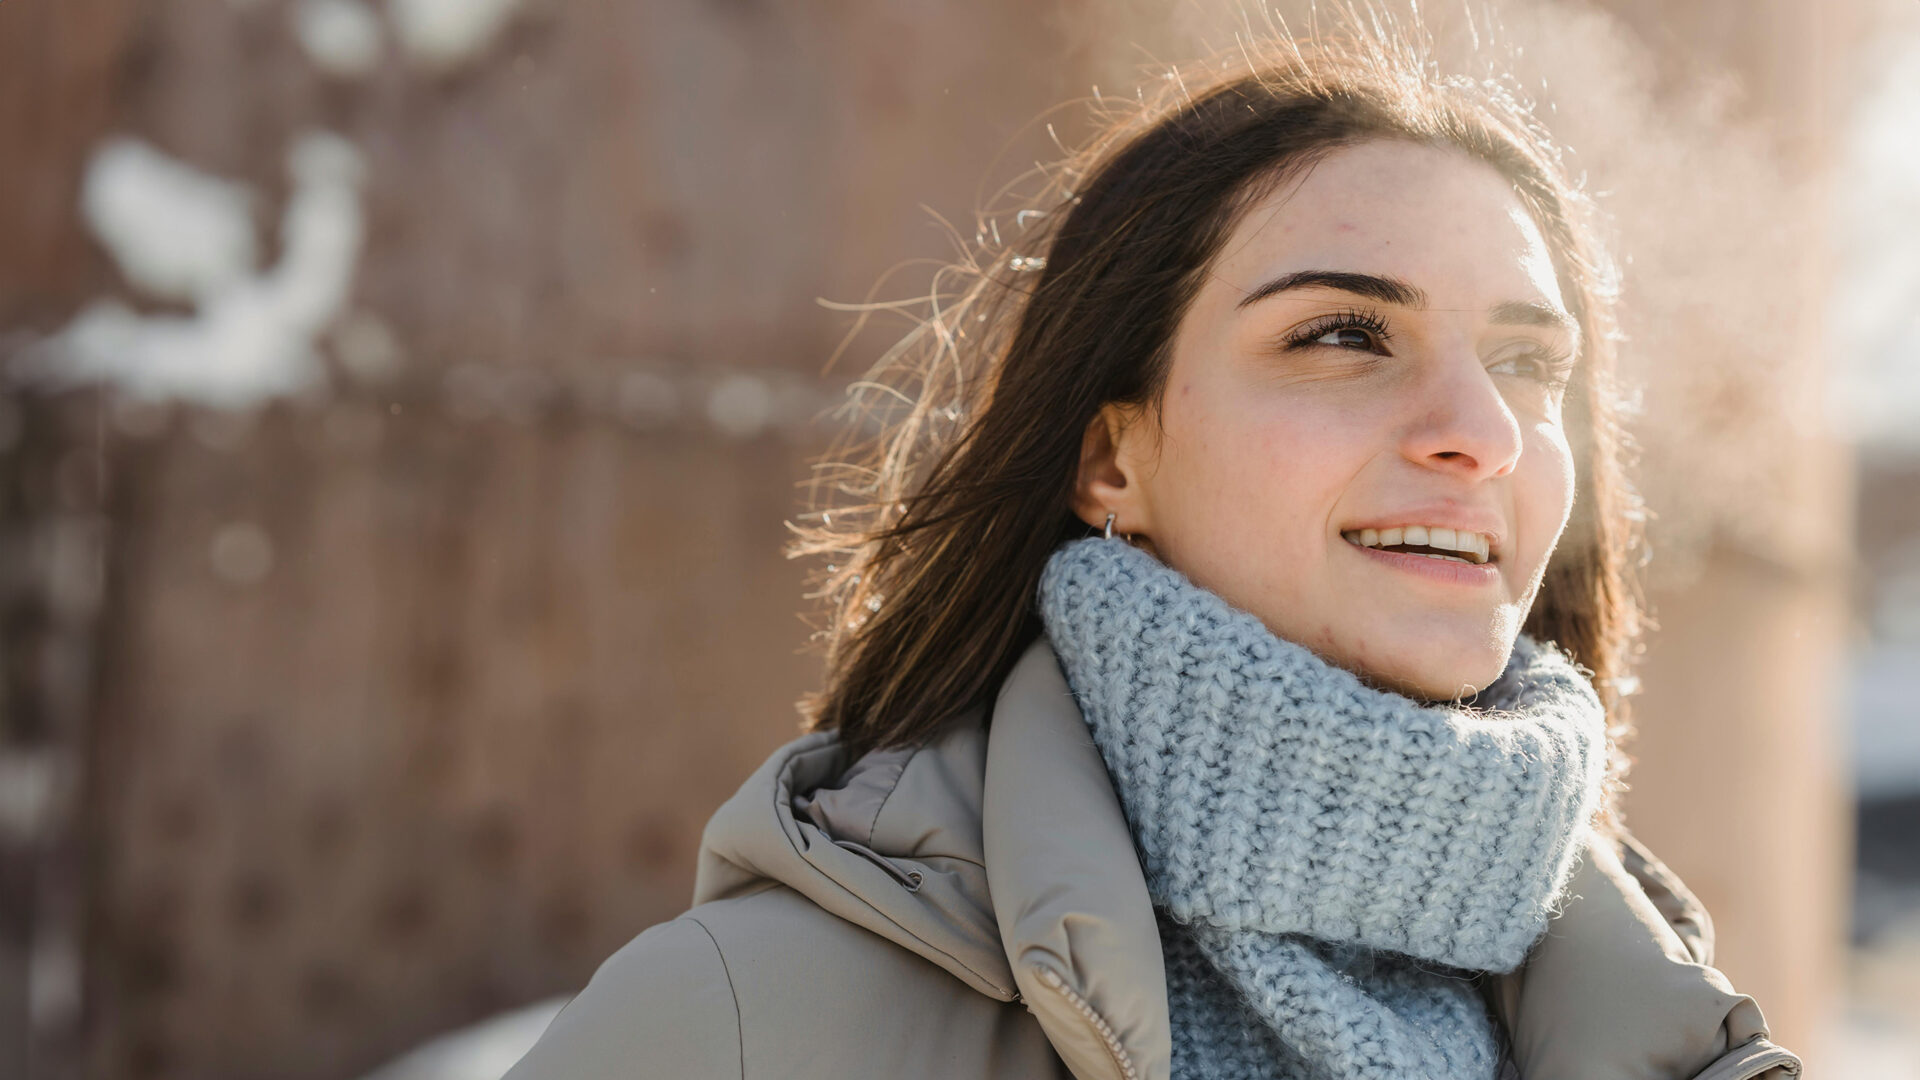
x=1556, y=366
x=1350, y=319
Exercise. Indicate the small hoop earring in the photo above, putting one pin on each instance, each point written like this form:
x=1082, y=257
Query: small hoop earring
x=1110, y=517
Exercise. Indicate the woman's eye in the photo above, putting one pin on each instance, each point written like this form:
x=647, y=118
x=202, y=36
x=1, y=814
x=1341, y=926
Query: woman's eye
x=1543, y=366
x=1355, y=331
x=1348, y=337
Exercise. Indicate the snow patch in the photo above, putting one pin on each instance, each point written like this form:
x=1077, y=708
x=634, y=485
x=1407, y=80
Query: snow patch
x=446, y=33
x=341, y=37
x=251, y=336
x=174, y=231
x=367, y=347
x=741, y=406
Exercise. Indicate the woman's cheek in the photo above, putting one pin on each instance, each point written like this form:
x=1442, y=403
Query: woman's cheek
x=1547, y=491
x=1560, y=453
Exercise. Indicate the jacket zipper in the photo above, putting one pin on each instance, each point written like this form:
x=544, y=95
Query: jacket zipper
x=1108, y=1036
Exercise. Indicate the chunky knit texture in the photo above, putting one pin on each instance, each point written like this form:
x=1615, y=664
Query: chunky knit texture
x=1331, y=862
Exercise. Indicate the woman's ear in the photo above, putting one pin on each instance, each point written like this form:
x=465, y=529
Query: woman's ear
x=1108, y=481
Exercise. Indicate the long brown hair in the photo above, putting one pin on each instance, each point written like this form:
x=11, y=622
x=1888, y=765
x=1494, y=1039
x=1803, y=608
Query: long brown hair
x=936, y=529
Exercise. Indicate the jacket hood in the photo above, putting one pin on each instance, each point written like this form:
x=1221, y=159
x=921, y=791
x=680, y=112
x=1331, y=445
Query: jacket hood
x=890, y=844
x=903, y=843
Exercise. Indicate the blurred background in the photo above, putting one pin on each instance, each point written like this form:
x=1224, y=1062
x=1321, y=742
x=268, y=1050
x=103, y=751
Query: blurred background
x=401, y=402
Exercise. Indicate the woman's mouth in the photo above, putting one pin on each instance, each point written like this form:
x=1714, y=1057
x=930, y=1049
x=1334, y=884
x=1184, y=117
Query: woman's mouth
x=1433, y=542
x=1443, y=567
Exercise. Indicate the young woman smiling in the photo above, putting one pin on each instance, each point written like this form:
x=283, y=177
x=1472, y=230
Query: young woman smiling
x=1222, y=664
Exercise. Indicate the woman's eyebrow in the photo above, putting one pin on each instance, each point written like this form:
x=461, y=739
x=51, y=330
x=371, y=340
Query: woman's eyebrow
x=1391, y=290
x=1533, y=313
x=1387, y=290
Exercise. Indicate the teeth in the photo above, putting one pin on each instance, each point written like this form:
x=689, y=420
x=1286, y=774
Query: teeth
x=1473, y=547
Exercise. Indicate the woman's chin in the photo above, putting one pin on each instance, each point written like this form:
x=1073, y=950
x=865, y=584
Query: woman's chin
x=1428, y=674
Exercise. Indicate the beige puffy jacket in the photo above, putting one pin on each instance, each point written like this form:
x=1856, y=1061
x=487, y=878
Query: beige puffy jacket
x=843, y=928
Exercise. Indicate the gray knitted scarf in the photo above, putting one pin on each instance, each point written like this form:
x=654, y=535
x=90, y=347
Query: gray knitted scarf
x=1331, y=863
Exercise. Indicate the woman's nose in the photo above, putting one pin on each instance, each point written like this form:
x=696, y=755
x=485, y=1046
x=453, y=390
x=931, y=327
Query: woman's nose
x=1461, y=423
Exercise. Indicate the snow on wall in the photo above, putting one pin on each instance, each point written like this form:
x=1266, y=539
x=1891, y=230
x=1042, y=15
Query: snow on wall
x=341, y=37
x=174, y=231
x=444, y=33
x=179, y=234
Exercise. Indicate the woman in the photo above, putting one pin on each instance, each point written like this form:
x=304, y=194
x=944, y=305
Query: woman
x=1221, y=676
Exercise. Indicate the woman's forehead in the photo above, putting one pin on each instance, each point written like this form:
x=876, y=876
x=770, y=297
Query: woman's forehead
x=1446, y=223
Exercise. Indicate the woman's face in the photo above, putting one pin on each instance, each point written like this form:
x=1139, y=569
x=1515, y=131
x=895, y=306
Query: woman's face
x=1380, y=346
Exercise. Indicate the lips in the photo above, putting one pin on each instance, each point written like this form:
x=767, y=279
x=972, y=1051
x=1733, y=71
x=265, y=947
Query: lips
x=1431, y=567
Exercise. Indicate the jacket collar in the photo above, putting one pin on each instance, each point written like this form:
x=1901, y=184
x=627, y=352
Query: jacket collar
x=1070, y=897
x=904, y=842
x=891, y=845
